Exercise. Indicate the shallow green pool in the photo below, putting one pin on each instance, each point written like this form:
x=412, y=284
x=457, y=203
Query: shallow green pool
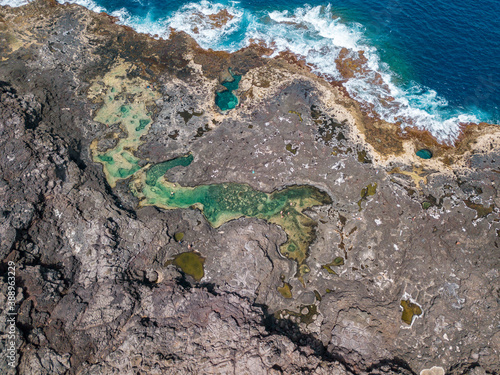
x=223, y=202
x=126, y=102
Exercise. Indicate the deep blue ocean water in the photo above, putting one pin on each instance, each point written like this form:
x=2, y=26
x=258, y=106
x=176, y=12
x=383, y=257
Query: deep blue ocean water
x=439, y=60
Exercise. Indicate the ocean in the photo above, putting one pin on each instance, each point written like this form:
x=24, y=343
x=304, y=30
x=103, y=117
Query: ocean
x=431, y=64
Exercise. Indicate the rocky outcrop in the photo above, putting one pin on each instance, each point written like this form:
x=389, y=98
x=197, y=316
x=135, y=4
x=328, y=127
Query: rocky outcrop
x=96, y=290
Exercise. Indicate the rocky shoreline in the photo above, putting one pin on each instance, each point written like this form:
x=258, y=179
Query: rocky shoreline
x=401, y=274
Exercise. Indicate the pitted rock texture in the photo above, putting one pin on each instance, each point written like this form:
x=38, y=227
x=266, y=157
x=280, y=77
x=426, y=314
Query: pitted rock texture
x=94, y=293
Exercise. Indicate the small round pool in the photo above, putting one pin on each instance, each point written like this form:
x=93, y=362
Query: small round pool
x=424, y=153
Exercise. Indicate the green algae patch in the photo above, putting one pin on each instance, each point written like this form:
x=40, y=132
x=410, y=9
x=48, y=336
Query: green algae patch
x=305, y=315
x=179, y=236
x=221, y=203
x=337, y=262
x=142, y=124
x=226, y=100
x=426, y=205
x=410, y=310
x=424, y=154
x=124, y=102
x=106, y=159
x=366, y=192
x=158, y=170
x=191, y=263
x=291, y=149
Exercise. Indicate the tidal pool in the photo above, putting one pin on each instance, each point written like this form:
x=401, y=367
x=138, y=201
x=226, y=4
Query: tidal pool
x=226, y=100
x=191, y=263
x=424, y=154
x=410, y=310
x=127, y=102
x=221, y=203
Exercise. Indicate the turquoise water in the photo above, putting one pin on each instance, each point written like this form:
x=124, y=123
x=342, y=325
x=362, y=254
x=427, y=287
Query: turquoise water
x=221, y=203
x=158, y=170
x=438, y=60
x=424, y=154
x=226, y=100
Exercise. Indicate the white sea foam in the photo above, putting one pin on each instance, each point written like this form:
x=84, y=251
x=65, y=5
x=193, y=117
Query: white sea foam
x=313, y=34
x=193, y=18
x=89, y=4
x=13, y=3
x=144, y=25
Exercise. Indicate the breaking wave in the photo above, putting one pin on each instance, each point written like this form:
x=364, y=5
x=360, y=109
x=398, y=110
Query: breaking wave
x=332, y=49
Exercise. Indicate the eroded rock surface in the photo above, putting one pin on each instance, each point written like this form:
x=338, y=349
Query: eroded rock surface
x=400, y=240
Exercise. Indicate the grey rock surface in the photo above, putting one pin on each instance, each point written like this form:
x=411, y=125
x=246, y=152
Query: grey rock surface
x=95, y=293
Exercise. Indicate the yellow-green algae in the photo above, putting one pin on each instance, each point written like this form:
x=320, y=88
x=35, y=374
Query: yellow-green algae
x=363, y=157
x=285, y=290
x=124, y=102
x=191, y=263
x=366, y=192
x=318, y=296
x=297, y=113
x=179, y=236
x=289, y=147
x=410, y=309
x=221, y=203
x=337, y=262
x=426, y=205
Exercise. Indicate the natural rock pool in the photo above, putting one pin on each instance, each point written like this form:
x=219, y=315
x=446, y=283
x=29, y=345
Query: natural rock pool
x=221, y=203
x=424, y=154
x=126, y=102
x=226, y=100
